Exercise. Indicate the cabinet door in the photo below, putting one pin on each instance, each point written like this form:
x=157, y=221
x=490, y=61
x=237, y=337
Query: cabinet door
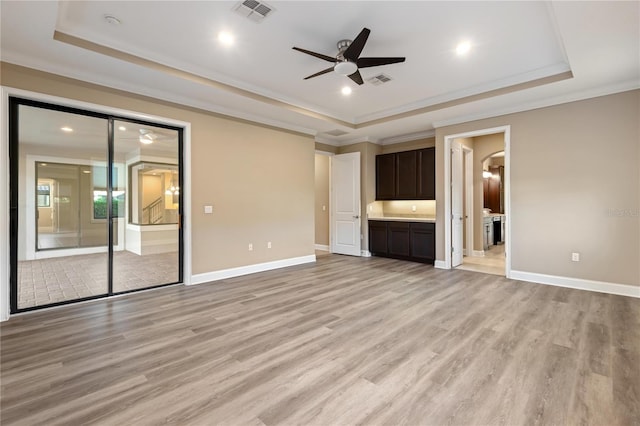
x=426, y=174
x=423, y=241
x=406, y=172
x=378, y=237
x=495, y=189
x=385, y=176
x=399, y=244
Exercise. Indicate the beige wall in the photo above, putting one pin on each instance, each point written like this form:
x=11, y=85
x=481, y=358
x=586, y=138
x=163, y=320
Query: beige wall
x=260, y=180
x=322, y=199
x=575, y=187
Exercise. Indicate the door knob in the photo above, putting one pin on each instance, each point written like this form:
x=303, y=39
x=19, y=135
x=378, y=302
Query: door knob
x=356, y=217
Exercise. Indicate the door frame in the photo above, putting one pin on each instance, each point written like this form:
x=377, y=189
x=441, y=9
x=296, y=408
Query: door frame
x=5, y=249
x=467, y=158
x=330, y=155
x=506, y=130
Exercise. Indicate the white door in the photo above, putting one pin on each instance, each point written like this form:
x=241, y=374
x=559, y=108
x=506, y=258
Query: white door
x=457, y=210
x=345, y=204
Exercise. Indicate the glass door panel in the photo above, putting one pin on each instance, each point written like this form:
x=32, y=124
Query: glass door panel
x=62, y=245
x=146, y=183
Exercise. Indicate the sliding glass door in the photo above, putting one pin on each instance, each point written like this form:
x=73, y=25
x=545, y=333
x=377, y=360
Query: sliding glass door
x=150, y=158
x=95, y=205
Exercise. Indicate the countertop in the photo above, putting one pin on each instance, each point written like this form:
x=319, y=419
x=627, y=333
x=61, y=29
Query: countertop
x=404, y=219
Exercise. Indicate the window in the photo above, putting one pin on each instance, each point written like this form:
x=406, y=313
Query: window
x=44, y=195
x=100, y=204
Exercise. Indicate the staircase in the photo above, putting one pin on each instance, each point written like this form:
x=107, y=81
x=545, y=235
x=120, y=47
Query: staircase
x=153, y=213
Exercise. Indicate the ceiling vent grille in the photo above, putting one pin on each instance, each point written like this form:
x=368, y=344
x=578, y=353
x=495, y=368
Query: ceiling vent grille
x=254, y=10
x=379, y=79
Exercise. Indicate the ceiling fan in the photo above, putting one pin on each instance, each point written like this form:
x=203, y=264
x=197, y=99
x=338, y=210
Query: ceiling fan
x=348, y=61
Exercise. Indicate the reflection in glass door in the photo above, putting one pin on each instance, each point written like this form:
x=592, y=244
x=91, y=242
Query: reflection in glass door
x=95, y=205
x=62, y=252
x=151, y=253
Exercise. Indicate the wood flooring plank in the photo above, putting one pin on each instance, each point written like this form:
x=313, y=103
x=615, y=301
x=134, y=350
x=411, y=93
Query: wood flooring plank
x=344, y=341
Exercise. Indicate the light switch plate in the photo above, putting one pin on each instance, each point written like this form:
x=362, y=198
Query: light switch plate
x=208, y=209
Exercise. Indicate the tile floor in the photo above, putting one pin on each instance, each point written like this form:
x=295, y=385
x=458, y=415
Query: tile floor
x=46, y=281
x=492, y=263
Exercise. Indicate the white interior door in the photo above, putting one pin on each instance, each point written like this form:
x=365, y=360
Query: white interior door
x=345, y=204
x=457, y=210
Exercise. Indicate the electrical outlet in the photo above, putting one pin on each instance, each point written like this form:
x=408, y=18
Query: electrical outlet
x=414, y=208
x=575, y=257
x=250, y=247
x=269, y=244
x=324, y=208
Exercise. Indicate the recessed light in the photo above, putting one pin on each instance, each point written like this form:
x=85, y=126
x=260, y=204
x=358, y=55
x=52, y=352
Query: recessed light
x=66, y=129
x=86, y=171
x=122, y=128
x=225, y=38
x=463, y=48
x=346, y=90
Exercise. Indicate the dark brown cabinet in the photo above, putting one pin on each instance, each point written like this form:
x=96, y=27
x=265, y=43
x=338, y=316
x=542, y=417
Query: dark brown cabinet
x=408, y=175
x=403, y=240
x=493, y=190
x=398, y=237
x=426, y=174
x=378, y=241
x=385, y=176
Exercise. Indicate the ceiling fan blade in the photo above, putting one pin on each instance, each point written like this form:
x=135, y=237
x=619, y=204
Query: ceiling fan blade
x=374, y=62
x=317, y=55
x=319, y=73
x=355, y=48
x=356, y=77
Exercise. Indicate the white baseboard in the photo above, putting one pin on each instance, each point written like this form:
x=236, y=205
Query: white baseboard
x=580, y=284
x=250, y=269
x=365, y=253
x=477, y=253
x=322, y=247
x=440, y=264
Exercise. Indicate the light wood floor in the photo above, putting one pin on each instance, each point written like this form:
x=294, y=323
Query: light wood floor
x=343, y=341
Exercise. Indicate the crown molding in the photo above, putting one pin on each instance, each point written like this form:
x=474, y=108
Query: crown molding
x=408, y=137
x=544, y=103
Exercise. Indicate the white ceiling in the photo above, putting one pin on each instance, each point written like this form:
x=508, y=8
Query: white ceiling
x=590, y=48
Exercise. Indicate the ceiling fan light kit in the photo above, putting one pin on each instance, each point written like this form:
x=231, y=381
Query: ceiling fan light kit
x=348, y=61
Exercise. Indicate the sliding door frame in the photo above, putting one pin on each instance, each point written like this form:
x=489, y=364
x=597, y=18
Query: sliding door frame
x=11, y=99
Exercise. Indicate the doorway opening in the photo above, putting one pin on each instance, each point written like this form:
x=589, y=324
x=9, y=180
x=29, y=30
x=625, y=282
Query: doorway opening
x=477, y=204
x=96, y=204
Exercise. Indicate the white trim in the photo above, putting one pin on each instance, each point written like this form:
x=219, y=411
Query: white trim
x=408, y=138
x=440, y=264
x=4, y=208
x=477, y=253
x=6, y=92
x=507, y=190
x=322, y=247
x=577, y=283
x=250, y=269
x=467, y=156
x=365, y=253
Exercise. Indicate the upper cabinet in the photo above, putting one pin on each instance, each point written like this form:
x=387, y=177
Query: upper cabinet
x=408, y=175
x=385, y=176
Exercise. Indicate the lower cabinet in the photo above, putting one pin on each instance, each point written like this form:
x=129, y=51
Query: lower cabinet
x=403, y=240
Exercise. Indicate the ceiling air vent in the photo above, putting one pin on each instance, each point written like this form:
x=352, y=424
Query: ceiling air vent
x=254, y=10
x=336, y=132
x=379, y=79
